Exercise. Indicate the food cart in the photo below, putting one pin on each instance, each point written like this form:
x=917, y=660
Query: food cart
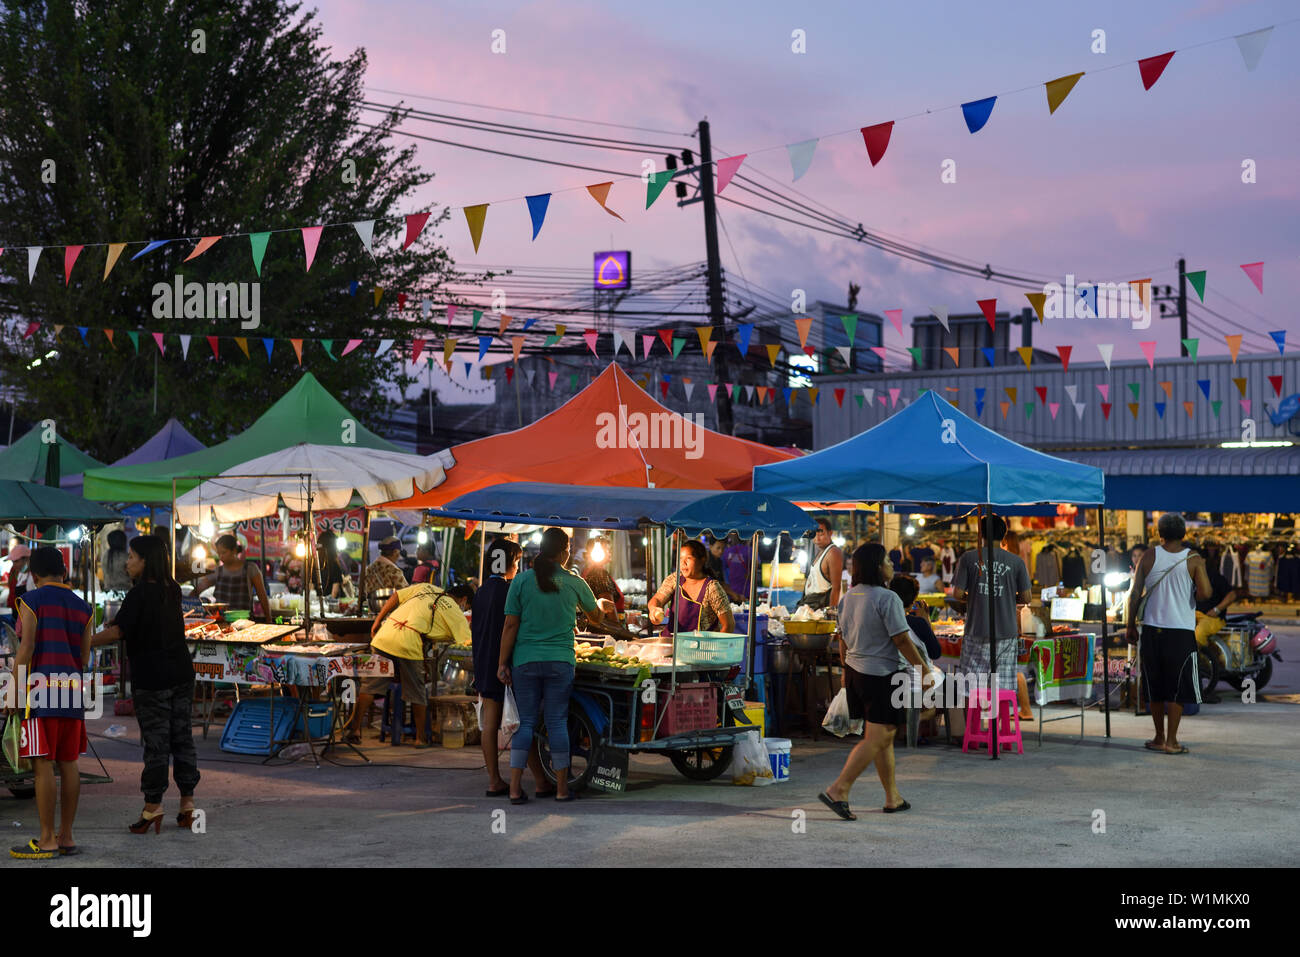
x=686, y=703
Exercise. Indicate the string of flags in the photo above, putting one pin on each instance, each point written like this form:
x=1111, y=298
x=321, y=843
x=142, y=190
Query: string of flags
x=876, y=140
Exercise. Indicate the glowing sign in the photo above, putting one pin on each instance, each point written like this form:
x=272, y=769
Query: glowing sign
x=612, y=269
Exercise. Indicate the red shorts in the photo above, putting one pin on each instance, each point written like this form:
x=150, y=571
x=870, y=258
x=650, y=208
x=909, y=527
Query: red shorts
x=58, y=739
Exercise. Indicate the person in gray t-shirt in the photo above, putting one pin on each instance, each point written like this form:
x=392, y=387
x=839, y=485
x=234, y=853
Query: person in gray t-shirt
x=877, y=646
x=1010, y=586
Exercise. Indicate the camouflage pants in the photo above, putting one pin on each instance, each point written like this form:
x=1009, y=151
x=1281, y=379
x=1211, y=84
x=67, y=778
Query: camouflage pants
x=165, y=730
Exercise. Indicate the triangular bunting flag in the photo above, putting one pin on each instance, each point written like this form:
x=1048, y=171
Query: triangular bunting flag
x=600, y=192
x=448, y=349
x=384, y=346
x=1005, y=407
x=1279, y=337
x=33, y=256
x=744, y=331
x=953, y=353
x=150, y=247
x=801, y=156
x=1136, y=389
x=941, y=313
x=677, y=346
x=1205, y=387
x=1241, y=386
x=1054, y=408
x=414, y=225
x=704, y=332
x=510, y=374
x=1234, y=345
x=896, y=317
x=1105, y=410
x=1037, y=300
x=689, y=387
x=1216, y=405
x=812, y=395
x=1276, y=382
x=551, y=377
x=185, y=346
x=772, y=352
x=1151, y=68
x=243, y=346
x=1059, y=89
x=379, y=294
x=845, y=353
x=417, y=347
x=803, y=326
x=269, y=345
x=516, y=344
x=114, y=250
x=1149, y=350
x=477, y=318
x=297, y=349
x=654, y=185
x=989, y=308
x=858, y=398
x=666, y=337
x=366, y=233
x=977, y=112
x=880, y=351
x=1026, y=354
x=1133, y=408
x=916, y=354
x=1256, y=273
x=202, y=246
x=310, y=240
x=1064, y=353
x=1078, y=409
x=713, y=391
x=1192, y=346
x=990, y=353
x=1011, y=392
x=893, y=397
x=727, y=168
x=214, y=343
x=158, y=341
x=135, y=340
x=647, y=343
x=1160, y=409
x=475, y=216
x=1104, y=389
x=1029, y=410
x=877, y=140
x=109, y=334
x=589, y=336
x=70, y=254
x=1197, y=279
x=1073, y=392
x=484, y=343
x=1252, y=46
x=84, y=329
x=868, y=392
x=1169, y=389
x=537, y=206
x=31, y=328
x=1245, y=405
x=850, y=328
x=1041, y=390
x=1189, y=408
x=1107, y=350
x=257, y=243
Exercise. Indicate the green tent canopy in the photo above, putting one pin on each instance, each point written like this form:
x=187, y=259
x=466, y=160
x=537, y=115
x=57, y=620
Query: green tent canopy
x=306, y=413
x=24, y=461
x=23, y=502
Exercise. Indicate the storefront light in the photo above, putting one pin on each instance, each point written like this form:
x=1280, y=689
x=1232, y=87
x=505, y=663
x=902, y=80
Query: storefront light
x=801, y=557
x=422, y=537
x=839, y=541
x=910, y=530
x=74, y=535
x=767, y=541
x=200, y=553
x=1116, y=580
x=536, y=538
x=1279, y=444
x=921, y=522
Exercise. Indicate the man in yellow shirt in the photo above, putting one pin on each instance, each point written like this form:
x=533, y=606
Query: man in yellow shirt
x=409, y=618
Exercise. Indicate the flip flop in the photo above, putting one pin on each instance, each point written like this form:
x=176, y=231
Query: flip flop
x=66, y=850
x=31, y=851
x=841, y=808
x=571, y=797
x=1152, y=746
x=544, y=794
x=502, y=792
x=894, y=810
x=522, y=799
x=1182, y=749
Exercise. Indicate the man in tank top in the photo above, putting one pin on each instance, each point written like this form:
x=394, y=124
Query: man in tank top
x=1164, y=580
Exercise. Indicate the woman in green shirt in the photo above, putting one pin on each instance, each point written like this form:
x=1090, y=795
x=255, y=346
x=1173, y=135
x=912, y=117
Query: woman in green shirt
x=537, y=657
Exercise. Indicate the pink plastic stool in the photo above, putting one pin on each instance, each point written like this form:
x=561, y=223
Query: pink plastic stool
x=979, y=733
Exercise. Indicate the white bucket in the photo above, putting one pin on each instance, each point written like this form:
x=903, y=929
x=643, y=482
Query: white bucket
x=778, y=755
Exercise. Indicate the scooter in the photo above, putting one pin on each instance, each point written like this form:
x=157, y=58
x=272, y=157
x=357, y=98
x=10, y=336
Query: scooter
x=1243, y=649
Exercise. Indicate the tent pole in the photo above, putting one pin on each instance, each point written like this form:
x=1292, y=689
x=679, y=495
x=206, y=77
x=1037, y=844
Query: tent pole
x=752, y=640
x=1105, y=630
x=482, y=551
x=993, y=629
x=362, y=601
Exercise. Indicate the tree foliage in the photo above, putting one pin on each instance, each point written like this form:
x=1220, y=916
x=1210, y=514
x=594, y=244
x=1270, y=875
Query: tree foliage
x=152, y=139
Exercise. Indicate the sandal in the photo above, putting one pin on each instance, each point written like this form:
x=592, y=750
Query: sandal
x=1182, y=749
x=839, y=807
x=499, y=792
x=31, y=851
x=1152, y=746
x=568, y=797
x=894, y=810
x=522, y=799
x=65, y=850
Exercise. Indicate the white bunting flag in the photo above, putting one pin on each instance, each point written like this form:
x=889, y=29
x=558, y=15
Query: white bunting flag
x=1073, y=392
x=384, y=346
x=185, y=346
x=1252, y=46
x=33, y=254
x=1107, y=350
x=941, y=313
x=844, y=352
x=689, y=386
x=366, y=230
x=1078, y=409
x=868, y=393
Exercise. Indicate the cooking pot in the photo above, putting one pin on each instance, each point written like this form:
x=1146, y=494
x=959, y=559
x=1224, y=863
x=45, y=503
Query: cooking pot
x=808, y=643
x=778, y=658
x=378, y=598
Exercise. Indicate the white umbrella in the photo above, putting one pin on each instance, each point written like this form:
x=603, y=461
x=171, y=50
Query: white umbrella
x=338, y=473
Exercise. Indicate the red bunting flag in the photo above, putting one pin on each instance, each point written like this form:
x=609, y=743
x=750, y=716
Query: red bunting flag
x=70, y=254
x=158, y=341
x=1064, y=353
x=510, y=374
x=989, y=307
x=214, y=343
x=1276, y=382
x=877, y=140
x=1042, y=394
x=1152, y=67
x=839, y=398
x=1105, y=410
x=414, y=224
x=666, y=337
x=31, y=328
x=417, y=347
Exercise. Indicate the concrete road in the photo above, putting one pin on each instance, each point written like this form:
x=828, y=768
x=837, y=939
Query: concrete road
x=1231, y=801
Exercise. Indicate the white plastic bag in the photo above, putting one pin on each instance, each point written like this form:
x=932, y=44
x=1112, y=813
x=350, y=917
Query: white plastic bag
x=749, y=762
x=509, y=721
x=837, y=720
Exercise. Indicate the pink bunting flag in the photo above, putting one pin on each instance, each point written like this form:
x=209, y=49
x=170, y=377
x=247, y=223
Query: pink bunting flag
x=70, y=254
x=1054, y=407
x=896, y=317
x=880, y=351
x=647, y=343
x=552, y=376
x=414, y=224
x=589, y=335
x=451, y=315
x=1149, y=350
x=158, y=340
x=893, y=397
x=1245, y=406
x=727, y=169
x=881, y=398
x=1104, y=389
x=1256, y=273
x=352, y=344
x=713, y=391
x=310, y=240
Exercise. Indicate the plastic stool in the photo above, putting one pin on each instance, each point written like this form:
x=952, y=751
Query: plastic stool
x=978, y=732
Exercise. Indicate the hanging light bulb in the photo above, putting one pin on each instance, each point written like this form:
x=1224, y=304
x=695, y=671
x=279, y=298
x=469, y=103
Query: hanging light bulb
x=74, y=535
x=910, y=530
x=300, y=549
x=200, y=553
x=535, y=538
x=767, y=541
x=801, y=556
x=597, y=553
x=422, y=537
x=921, y=522
x=206, y=529
x=839, y=541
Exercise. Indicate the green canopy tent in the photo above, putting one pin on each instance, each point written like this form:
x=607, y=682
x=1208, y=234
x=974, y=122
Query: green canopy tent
x=306, y=413
x=24, y=502
x=28, y=459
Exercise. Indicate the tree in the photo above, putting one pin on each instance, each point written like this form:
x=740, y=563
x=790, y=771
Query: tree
x=179, y=120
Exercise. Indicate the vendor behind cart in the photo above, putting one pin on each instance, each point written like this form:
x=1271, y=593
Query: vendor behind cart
x=408, y=618
x=236, y=578
x=702, y=605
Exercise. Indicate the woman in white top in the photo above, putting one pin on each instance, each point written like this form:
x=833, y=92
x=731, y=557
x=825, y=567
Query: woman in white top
x=1165, y=578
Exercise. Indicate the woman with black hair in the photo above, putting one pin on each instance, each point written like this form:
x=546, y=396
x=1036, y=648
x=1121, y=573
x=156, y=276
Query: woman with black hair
x=877, y=647
x=113, y=575
x=162, y=679
x=702, y=606
x=331, y=568
x=235, y=579
x=537, y=658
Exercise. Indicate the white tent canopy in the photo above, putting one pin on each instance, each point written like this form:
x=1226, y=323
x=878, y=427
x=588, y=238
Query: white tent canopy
x=338, y=474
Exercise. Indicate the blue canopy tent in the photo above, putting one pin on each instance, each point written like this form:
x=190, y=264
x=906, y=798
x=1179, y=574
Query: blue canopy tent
x=932, y=452
x=171, y=440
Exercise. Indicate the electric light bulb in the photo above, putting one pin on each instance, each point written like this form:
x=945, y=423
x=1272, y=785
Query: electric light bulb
x=597, y=553
x=767, y=541
x=839, y=541
x=910, y=530
x=74, y=535
x=206, y=529
x=536, y=538
x=921, y=522
x=300, y=550
x=421, y=537
x=200, y=553
x=801, y=556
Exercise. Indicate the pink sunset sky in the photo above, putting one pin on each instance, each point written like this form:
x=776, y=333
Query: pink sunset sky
x=1116, y=185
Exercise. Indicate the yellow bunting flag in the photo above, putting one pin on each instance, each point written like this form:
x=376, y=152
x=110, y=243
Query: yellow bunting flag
x=379, y=294
x=1059, y=89
x=114, y=250
x=953, y=353
x=772, y=352
x=1241, y=385
x=561, y=329
x=1026, y=354
x=804, y=325
x=474, y=217
x=517, y=343
x=1133, y=407
x=812, y=395
x=1011, y=392
x=704, y=332
x=448, y=347
x=1169, y=389
x=1234, y=345
x=1143, y=289
x=600, y=193
x=243, y=345
x=1037, y=299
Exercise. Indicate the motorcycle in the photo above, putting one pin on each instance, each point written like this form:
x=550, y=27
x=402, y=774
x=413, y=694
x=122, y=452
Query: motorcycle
x=1243, y=649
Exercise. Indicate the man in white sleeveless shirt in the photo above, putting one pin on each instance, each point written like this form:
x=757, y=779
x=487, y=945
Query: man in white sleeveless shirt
x=1164, y=580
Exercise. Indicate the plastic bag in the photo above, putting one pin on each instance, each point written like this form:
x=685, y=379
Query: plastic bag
x=749, y=763
x=509, y=720
x=837, y=720
x=13, y=736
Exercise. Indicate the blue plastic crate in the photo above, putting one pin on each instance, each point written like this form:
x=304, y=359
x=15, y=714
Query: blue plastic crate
x=320, y=718
x=249, y=730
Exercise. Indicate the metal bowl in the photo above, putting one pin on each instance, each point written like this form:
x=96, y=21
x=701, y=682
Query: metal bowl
x=808, y=643
x=377, y=598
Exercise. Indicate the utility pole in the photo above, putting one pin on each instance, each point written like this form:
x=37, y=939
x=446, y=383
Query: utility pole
x=1182, y=305
x=717, y=310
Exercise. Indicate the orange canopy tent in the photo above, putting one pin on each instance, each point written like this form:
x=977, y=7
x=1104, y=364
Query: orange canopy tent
x=607, y=434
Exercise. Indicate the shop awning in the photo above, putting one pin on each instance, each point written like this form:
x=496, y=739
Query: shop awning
x=612, y=433
x=22, y=502
x=571, y=506
x=742, y=512
x=306, y=413
x=930, y=451
x=1199, y=480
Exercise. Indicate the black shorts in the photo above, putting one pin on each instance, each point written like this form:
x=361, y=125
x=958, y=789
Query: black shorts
x=872, y=697
x=1169, y=669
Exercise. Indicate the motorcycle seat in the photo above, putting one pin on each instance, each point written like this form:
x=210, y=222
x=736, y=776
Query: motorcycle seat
x=1242, y=617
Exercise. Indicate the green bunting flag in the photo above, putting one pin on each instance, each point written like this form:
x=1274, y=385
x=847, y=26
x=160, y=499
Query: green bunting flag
x=1197, y=279
x=677, y=346
x=258, y=242
x=850, y=327
x=916, y=353
x=859, y=398
x=135, y=340
x=1135, y=388
x=655, y=185
x=573, y=382
x=329, y=348
x=1192, y=345
x=1029, y=410
x=478, y=317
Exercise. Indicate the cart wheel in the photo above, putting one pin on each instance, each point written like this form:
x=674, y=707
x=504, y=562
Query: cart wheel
x=704, y=764
x=1264, y=675
x=582, y=750
x=1209, y=667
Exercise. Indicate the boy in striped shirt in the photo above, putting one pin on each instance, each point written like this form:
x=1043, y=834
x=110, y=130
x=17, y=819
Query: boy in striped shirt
x=54, y=653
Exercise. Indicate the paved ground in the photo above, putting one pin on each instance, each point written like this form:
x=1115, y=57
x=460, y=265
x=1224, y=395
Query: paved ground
x=1230, y=802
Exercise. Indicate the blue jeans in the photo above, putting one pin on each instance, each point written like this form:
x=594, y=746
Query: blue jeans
x=542, y=687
